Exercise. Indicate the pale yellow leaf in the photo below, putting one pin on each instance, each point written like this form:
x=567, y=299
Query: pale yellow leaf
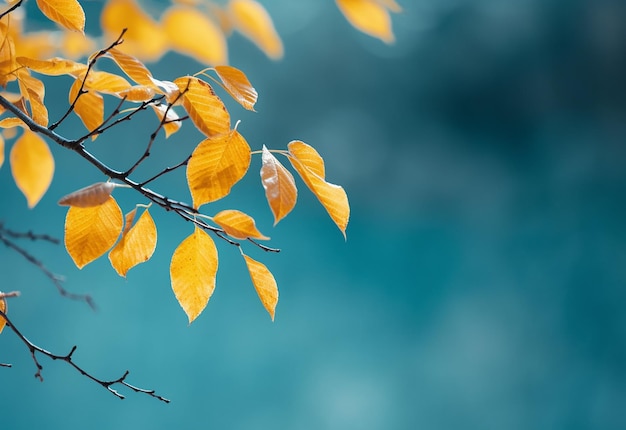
x=333, y=197
x=264, y=284
x=129, y=218
x=136, y=245
x=93, y=195
x=67, y=13
x=368, y=16
x=91, y=232
x=192, y=33
x=204, y=107
x=89, y=107
x=32, y=166
x=192, y=272
x=252, y=20
x=280, y=187
x=237, y=85
x=76, y=45
x=392, y=5
x=53, y=66
x=238, y=225
x=216, y=165
x=171, y=124
x=3, y=308
x=134, y=68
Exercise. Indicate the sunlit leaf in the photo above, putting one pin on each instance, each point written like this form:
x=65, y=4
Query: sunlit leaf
x=91, y=232
x=89, y=106
x=205, y=109
x=136, y=245
x=106, y=82
x=264, y=284
x=39, y=111
x=67, y=13
x=369, y=16
x=252, y=20
x=10, y=122
x=171, y=125
x=307, y=161
x=216, y=165
x=76, y=45
x=191, y=32
x=3, y=308
x=32, y=166
x=134, y=68
x=192, y=272
x=7, y=56
x=238, y=225
x=93, y=195
x=237, y=85
x=53, y=66
x=280, y=187
x=137, y=93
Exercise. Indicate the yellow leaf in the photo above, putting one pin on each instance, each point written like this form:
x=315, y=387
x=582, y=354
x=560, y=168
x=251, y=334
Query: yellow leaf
x=39, y=111
x=106, y=82
x=67, y=13
x=368, y=16
x=53, y=66
x=238, y=225
x=10, y=122
x=134, y=68
x=252, y=20
x=192, y=272
x=307, y=161
x=3, y=308
x=93, y=195
x=237, y=85
x=92, y=231
x=191, y=32
x=264, y=284
x=76, y=45
x=144, y=38
x=136, y=245
x=391, y=5
x=137, y=93
x=205, y=109
x=171, y=125
x=280, y=187
x=89, y=106
x=32, y=166
x=129, y=218
x=7, y=56
x=216, y=165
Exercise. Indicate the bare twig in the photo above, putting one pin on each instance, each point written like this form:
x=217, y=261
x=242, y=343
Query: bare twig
x=11, y=9
x=27, y=235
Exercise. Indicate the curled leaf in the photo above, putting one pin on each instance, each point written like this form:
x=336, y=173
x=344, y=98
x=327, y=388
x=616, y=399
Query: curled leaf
x=280, y=187
x=136, y=245
x=264, y=284
x=32, y=166
x=238, y=225
x=93, y=195
x=237, y=85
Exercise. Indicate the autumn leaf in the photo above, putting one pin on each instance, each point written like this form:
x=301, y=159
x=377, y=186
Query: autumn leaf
x=192, y=272
x=133, y=68
x=204, y=107
x=53, y=67
x=252, y=20
x=136, y=93
x=264, y=284
x=192, y=33
x=3, y=308
x=89, y=107
x=280, y=187
x=32, y=166
x=237, y=85
x=136, y=245
x=76, y=45
x=170, y=125
x=93, y=195
x=106, y=82
x=369, y=16
x=90, y=232
x=216, y=165
x=310, y=167
x=67, y=13
x=238, y=225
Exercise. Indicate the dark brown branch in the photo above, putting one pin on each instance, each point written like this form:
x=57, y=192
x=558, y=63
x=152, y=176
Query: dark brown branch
x=68, y=358
x=11, y=9
x=166, y=170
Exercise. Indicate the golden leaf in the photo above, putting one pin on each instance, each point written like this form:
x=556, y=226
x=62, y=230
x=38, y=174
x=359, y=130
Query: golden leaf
x=3, y=308
x=92, y=231
x=89, y=107
x=76, y=45
x=280, y=187
x=216, y=165
x=307, y=161
x=32, y=166
x=53, y=66
x=191, y=32
x=11, y=122
x=137, y=93
x=171, y=125
x=238, y=225
x=93, y=195
x=106, y=82
x=237, y=85
x=67, y=13
x=136, y=245
x=192, y=272
x=134, y=68
x=7, y=56
x=39, y=110
x=252, y=20
x=369, y=16
x=264, y=284
x=205, y=109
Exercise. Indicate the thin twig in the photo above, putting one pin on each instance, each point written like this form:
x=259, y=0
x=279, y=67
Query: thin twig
x=11, y=9
x=27, y=235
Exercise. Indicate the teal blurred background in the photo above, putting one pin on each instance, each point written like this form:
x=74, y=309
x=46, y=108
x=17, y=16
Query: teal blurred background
x=482, y=284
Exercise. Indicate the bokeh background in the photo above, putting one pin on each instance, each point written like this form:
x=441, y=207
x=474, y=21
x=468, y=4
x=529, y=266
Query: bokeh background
x=482, y=284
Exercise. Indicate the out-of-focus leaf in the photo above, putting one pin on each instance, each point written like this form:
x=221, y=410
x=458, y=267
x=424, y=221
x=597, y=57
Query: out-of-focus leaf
x=204, y=107
x=252, y=20
x=53, y=66
x=75, y=45
x=136, y=245
x=192, y=272
x=89, y=106
x=238, y=225
x=91, y=232
x=280, y=187
x=171, y=124
x=3, y=308
x=32, y=166
x=67, y=13
x=216, y=165
x=237, y=85
x=369, y=16
x=307, y=161
x=10, y=122
x=392, y=5
x=264, y=284
x=93, y=195
x=191, y=32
